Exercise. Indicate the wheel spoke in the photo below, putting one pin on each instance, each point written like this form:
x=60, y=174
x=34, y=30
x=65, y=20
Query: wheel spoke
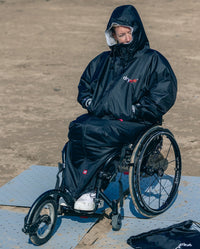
x=161, y=186
x=172, y=161
x=155, y=190
x=152, y=193
x=169, y=150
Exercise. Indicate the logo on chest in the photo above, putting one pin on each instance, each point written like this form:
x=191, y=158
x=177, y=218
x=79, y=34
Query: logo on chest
x=130, y=80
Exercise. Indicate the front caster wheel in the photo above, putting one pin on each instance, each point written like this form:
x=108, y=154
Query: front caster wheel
x=44, y=220
x=116, y=222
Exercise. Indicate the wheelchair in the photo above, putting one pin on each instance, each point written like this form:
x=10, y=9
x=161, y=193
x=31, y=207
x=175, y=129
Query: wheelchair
x=153, y=165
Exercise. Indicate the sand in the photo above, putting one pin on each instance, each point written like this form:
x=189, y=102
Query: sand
x=46, y=45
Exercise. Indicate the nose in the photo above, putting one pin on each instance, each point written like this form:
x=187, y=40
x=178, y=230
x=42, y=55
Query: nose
x=128, y=38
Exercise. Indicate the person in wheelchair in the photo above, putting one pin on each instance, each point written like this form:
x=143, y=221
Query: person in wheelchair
x=125, y=91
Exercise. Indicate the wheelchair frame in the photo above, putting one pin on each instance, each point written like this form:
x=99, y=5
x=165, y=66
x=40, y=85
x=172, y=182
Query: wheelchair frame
x=133, y=158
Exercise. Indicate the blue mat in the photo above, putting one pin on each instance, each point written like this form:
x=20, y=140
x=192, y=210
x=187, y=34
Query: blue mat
x=68, y=232
x=185, y=207
x=25, y=188
x=186, y=204
x=22, y=192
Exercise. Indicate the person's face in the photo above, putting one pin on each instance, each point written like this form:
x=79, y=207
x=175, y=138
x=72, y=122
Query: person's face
x=123, y=34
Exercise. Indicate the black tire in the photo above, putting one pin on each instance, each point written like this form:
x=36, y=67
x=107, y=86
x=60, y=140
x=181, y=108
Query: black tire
x=116, y=222
x=154, y=179
x=45, y=216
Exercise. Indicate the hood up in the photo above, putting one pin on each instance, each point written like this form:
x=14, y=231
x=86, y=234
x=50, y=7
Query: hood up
x=127, y=16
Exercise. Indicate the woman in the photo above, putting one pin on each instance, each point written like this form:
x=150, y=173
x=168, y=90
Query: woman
x=125, y=90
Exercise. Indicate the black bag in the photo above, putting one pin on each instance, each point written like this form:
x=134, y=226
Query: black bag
x=179, y=236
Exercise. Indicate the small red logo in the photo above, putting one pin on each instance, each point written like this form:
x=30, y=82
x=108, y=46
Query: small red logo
x=130, y=80
x=85, y=172
x=133, y=81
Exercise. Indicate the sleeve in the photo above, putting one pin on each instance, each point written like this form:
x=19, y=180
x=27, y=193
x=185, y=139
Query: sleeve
x=89, y=79
x=84, y=87
x=161, y=93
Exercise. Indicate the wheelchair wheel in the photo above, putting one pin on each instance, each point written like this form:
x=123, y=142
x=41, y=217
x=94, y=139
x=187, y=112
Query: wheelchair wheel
x=155, y=176
x=44, y=218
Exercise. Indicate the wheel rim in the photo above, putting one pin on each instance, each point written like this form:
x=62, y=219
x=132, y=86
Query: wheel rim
x=157, y=185
x=45, y=216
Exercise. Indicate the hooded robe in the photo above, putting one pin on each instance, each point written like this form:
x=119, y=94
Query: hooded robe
x=125, y=90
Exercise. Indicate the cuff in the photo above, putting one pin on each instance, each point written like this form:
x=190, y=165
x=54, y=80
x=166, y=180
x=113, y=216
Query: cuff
x=133, y=109
x=88, y=102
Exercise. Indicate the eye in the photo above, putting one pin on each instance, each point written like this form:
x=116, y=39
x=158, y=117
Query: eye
x=121, y=35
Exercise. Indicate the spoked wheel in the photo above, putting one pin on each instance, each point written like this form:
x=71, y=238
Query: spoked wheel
x=44, y=220
x=155, y=176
